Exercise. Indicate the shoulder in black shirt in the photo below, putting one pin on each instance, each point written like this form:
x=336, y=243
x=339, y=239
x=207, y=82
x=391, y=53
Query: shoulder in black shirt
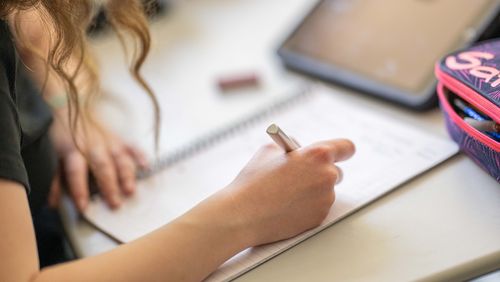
x=26, y=155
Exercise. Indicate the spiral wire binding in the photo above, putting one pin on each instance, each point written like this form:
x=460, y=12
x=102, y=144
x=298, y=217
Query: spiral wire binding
x=213, y=138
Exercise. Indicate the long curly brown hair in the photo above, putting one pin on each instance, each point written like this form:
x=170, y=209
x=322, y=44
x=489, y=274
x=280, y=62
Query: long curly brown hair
x=68, y=56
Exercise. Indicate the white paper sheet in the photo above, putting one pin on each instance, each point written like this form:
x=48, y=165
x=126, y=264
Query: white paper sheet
x=388, y=154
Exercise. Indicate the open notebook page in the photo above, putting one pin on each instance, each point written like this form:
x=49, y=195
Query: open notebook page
x=388, y=154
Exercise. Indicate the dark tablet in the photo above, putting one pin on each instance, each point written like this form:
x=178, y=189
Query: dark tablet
x=387, y=48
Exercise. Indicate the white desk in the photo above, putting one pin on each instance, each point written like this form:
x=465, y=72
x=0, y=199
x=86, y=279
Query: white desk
x=444, y=225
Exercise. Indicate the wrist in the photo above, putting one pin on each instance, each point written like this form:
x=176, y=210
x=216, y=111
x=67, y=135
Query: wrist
x=219, y=217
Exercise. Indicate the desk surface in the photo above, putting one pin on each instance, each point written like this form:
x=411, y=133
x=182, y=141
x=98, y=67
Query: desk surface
x=444, y=225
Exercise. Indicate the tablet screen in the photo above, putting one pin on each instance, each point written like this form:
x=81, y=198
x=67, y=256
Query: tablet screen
x=394, y=42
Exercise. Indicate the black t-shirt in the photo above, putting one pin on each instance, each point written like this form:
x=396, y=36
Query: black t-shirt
x=26, y=154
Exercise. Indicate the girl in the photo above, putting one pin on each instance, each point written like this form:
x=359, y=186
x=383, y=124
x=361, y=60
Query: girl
x=275, y=196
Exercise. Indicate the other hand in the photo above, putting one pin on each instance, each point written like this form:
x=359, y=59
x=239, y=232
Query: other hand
x=112, y=163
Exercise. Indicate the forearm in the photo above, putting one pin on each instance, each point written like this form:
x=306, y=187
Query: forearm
x=187, y=249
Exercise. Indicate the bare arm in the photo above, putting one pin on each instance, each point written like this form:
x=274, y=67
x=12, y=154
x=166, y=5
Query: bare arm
x=187, y=249
x=184, y=250
x=17, y=243
x=276, y=196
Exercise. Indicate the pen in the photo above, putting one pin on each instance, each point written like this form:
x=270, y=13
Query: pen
x=477, y=121
x=289, y=144
x=494, y=135
x=483, y=125
x=285, y=142
x=468, y=110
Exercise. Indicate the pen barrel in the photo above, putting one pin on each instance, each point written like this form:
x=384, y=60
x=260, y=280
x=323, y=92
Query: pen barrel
x=285, y=142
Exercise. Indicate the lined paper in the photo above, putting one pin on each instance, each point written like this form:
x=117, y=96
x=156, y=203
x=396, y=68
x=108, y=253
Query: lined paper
x=388, y=153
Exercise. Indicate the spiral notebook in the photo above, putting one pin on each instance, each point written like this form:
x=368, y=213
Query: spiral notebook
x=389, y=153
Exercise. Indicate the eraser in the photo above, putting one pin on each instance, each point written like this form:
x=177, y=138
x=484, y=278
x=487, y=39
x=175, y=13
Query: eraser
x=238, y=81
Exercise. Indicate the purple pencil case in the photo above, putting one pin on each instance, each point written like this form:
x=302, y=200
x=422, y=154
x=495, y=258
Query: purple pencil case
x=469, y=95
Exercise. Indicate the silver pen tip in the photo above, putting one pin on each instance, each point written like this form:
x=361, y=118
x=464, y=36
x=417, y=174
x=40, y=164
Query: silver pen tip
x=273, y=129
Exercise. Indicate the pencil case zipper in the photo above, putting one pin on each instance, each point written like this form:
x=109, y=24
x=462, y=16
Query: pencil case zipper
x=470, y=96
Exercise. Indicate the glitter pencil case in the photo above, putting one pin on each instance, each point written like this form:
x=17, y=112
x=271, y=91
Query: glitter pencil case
x=469, y=96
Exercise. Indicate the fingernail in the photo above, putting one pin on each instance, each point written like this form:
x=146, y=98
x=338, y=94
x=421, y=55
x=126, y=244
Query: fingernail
x=115, y=200
x=82, y=204
x=129, y=187
x=144, y=164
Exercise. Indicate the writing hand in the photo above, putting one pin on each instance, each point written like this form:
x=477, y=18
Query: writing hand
x=277, y=195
